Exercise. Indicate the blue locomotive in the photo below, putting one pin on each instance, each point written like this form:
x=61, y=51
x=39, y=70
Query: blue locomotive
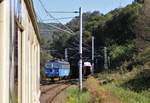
x=57, y=69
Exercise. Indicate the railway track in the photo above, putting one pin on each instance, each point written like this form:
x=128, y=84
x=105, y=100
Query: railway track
x=50, y=92
x=50, y=99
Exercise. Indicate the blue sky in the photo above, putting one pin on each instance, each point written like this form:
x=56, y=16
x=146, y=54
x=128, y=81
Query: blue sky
x=103, y=6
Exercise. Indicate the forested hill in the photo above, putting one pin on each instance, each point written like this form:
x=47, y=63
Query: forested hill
x=124, y=31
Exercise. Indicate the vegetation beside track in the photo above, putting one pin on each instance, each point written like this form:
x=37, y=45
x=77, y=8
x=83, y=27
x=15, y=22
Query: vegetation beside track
x=114, y=87
x=74, y=96
x=130, y=87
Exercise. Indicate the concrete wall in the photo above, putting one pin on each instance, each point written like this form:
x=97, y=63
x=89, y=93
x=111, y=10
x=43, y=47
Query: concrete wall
x=30, y=69
x=30, y=60
x=28, y=56
x=4, y=51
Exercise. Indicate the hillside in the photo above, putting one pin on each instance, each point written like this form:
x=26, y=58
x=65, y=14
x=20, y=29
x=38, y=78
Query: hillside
x=124, y=31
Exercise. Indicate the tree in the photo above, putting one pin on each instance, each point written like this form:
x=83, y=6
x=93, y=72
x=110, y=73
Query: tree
x=142, y=26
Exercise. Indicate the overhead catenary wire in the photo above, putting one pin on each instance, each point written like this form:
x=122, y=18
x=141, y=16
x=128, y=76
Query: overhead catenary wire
x=48, y=12
x=63, y=11
x=69, y=30
x=59, y=18
x=61, y=30
x=83, y=43
x=76, y=47
x=87, y=48
x=74, y=55
x=53, y=16
x=56, y=27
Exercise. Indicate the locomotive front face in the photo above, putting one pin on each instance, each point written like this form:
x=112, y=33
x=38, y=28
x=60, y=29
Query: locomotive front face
x=48, y=69
x=51, y=69
x=57, y=69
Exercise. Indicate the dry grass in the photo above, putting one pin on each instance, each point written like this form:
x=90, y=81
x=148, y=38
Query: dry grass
x=99, y=94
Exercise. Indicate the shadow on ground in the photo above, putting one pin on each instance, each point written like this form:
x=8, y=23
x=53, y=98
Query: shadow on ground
x=68, y=81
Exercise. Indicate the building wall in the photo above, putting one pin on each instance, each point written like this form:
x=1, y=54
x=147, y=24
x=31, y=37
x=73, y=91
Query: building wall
x=4, y=51
x=30, y=69
x=28, y=56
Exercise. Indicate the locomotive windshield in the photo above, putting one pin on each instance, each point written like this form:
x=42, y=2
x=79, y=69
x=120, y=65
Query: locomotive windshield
x=49, y=65
x=55, y=65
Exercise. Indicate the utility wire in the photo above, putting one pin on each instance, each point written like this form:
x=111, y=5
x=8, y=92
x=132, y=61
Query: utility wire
x=48, y=13
x=58, y=18
x=58, y=28
x=73, y=55
x=82, y=43
x=59, y=22
x=53, y=17
x=63, y=12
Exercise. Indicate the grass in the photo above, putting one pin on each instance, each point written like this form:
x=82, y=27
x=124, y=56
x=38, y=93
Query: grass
x=117, y=87
x=126, y=95
x=92, y=93
x=74, y=96
x=98, y=93
x=130, y=87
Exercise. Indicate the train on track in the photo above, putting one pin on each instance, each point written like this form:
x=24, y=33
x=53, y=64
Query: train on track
x=57, y=69
x=87, y=69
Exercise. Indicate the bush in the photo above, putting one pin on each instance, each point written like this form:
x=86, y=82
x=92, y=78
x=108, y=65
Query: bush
x=119, y=53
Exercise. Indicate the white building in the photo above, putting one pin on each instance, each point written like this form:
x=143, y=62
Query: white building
x=19, y=53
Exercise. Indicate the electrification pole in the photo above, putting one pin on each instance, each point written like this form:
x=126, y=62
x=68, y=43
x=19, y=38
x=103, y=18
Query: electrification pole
x=105, y=58
x=92, y=55
x=80, y=50
x=66, y=54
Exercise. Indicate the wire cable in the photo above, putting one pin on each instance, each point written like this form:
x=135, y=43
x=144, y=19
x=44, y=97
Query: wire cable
x=58, y=18
x=63, y=11
x=40, y=20
x=53, y=16
x=58, y=28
